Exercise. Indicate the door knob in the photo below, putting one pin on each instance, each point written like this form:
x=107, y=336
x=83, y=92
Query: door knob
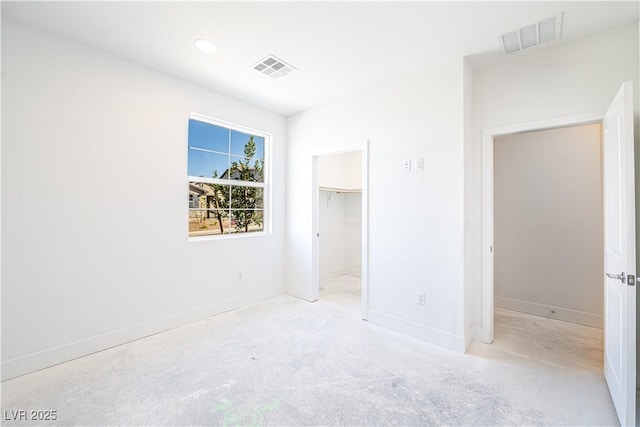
x=620, y=277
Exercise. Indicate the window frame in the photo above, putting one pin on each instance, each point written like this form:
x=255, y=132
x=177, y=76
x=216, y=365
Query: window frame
x=265, y=185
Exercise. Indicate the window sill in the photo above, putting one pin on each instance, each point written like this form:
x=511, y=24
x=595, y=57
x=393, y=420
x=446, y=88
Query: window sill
x=228, y=236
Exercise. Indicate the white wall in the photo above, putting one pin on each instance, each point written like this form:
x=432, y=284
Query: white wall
x=332, y=171
x=332, y=247
x=353, y=170
x=353, y=233
x=341, y=171
x=340, y=224
x=470, y=329
x=415, y=218
x=580, y=76
x=548, y=232
x=94, y=193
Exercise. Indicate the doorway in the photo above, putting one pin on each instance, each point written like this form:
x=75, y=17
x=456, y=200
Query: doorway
x=548, y=224
x=619, y=241
x=548, y=245
x=488, y=199
x=340, y=226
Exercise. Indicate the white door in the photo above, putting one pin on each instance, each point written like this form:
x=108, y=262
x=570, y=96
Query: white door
x=619, y=256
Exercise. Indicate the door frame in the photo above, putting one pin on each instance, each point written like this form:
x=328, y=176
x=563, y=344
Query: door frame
x=487, y=233
x=315, y=224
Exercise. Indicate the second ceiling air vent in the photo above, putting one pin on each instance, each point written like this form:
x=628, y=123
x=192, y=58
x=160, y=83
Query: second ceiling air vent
x=545, y=31
x=273, y=67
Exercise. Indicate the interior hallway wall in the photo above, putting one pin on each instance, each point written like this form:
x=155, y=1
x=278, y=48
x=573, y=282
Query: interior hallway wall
x=415, y=218
x=94, y=194
x=548, y=216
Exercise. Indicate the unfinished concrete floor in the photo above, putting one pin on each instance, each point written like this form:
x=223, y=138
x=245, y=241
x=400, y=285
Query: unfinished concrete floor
x=289, y=362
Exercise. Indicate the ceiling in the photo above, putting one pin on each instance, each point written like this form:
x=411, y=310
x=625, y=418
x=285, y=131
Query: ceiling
x=338, y=48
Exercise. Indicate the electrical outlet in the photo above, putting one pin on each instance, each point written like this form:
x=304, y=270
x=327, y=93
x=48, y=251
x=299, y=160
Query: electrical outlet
x=406, y=165
x=422, y=298
x=239, y=277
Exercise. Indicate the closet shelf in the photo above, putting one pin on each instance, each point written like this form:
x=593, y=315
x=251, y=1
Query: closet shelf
x=341, y=190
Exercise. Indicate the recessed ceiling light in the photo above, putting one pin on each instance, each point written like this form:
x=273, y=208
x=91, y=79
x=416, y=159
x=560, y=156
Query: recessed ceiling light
x=205, y=45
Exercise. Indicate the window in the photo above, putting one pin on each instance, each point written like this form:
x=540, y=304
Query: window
x=227, y=178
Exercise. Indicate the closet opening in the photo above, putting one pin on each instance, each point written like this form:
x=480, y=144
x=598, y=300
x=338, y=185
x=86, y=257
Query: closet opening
x=340, y=229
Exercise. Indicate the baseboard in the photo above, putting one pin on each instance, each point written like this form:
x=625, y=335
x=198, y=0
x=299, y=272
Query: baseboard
x=328, y=275
x=425, y=333
x=339, y=272
x=560, y=313
x=302, y=292
x=53, y=356
x=353, y=272
x=474, y=333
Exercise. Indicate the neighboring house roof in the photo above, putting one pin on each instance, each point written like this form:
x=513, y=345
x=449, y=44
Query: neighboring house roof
x=200, y=189
x=255, y=175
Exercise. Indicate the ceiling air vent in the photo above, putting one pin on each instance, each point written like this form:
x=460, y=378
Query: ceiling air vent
x=545, y=31
x=273, y=67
